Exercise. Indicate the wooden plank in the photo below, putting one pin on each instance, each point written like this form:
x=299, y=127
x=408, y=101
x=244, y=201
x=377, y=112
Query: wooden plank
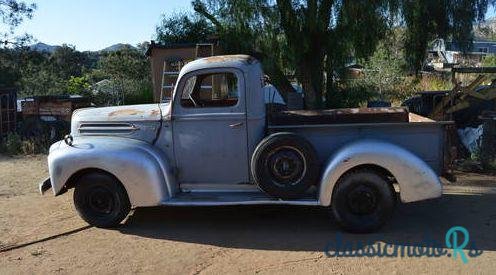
x=30, y=107
x=414, y=118
x=55, y=108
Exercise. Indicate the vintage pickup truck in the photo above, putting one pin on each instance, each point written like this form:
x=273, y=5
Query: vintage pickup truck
x=214, y=143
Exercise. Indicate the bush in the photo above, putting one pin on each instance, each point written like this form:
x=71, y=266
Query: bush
x=14, y=144
x=142, y=94
x=350, y=96
x=434, y=83
x=122, y=92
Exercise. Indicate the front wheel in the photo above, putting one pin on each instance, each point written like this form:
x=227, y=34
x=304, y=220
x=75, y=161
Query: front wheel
x=363, y=201
x=101, y=200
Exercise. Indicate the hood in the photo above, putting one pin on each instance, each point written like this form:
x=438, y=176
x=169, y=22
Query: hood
x=145, y=112
x=135, y=121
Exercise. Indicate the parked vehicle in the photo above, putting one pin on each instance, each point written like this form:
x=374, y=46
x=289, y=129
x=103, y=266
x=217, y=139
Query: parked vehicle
x=215, y=144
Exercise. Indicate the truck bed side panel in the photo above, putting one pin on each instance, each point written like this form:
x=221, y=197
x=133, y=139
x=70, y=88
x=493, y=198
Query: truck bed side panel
x=425, y=140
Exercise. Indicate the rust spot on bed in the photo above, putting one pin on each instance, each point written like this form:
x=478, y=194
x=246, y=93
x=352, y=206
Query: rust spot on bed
x=125, y=112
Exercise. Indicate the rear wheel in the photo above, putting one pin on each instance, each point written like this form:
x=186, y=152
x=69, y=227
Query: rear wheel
x=101, y=200
x=363, y=201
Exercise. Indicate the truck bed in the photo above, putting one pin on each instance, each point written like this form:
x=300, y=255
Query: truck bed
x=339, y=116
x=331, y=130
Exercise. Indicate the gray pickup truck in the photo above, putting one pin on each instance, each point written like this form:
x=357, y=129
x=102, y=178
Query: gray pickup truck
x=216, y=144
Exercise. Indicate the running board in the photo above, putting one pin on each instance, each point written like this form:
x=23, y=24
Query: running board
x=234, y=198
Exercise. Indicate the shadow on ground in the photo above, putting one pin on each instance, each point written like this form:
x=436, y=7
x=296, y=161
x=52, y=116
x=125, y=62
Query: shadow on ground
x=312, y=228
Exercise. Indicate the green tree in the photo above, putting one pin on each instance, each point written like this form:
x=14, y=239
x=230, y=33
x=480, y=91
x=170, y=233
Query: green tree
x=426, y=20
x=42, y=73
x=384, y=71
x=9, y=72
x=130, y=74
x=125, y=63
x=13, y=13
x=314, y=39
x=78, y=85
x=66, y=62
x=47, y=74
x=183, y=28
x=252, y=27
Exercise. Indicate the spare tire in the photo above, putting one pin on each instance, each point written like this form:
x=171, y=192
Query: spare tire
x=285, y=165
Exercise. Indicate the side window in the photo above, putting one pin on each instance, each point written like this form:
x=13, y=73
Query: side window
x=210, y=90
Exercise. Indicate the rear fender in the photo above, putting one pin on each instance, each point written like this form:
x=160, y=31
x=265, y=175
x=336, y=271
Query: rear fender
x=417, y=181
x=142, y=169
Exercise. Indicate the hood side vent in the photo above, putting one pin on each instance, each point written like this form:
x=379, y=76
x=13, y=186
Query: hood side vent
x=106, y=128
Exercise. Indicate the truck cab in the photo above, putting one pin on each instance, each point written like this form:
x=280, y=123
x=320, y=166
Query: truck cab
x=214, y=143
x=217, y=112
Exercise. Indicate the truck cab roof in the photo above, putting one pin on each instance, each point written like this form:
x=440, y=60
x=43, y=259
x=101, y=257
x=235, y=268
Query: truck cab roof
x=240, y=61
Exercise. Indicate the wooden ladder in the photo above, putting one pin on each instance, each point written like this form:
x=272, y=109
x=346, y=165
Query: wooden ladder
x=170, y=73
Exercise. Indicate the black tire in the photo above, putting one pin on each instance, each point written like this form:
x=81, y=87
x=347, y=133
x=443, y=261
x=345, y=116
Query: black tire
x=101, y=200
x=363, y=201
x=285, y=165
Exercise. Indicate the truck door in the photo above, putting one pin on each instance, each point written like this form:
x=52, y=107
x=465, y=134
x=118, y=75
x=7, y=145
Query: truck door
x=209, y=128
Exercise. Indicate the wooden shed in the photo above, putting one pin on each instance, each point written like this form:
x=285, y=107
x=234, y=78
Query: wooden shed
x=167, y=61
x=8, y=110
x=52, y=108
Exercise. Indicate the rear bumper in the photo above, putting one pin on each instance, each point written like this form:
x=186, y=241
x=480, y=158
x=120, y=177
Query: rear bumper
x=45, y=186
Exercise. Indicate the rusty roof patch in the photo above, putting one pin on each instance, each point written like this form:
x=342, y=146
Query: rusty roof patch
x=227, y=58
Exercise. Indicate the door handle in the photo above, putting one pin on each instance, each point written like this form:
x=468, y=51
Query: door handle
x=236, y=125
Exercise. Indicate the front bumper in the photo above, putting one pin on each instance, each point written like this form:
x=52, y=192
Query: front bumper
x=45, y=186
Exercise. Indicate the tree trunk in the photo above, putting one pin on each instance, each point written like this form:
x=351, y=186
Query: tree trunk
x=310, y=76
x=330, y=92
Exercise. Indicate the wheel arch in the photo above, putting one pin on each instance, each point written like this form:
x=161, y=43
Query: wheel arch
x=416, y=180
x=74, y=178
x=371, y=167
x=142, y=170
x=379, y=170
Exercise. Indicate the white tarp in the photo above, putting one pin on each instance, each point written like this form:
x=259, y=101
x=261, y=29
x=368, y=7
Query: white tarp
x=471, y=138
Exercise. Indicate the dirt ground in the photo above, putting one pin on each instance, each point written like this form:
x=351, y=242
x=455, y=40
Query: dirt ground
x=44, y=234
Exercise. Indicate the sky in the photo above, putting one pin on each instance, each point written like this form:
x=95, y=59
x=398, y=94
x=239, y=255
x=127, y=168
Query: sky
x=97, y=24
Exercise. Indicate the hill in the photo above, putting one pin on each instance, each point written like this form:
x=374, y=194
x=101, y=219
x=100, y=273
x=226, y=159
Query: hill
x=117, y=47
x=42, y=47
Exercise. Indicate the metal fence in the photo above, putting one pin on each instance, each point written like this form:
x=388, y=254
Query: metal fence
x=8, y=110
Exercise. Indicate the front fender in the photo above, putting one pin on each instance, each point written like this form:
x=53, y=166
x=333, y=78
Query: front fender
x=141, y=168
x=416, y=180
